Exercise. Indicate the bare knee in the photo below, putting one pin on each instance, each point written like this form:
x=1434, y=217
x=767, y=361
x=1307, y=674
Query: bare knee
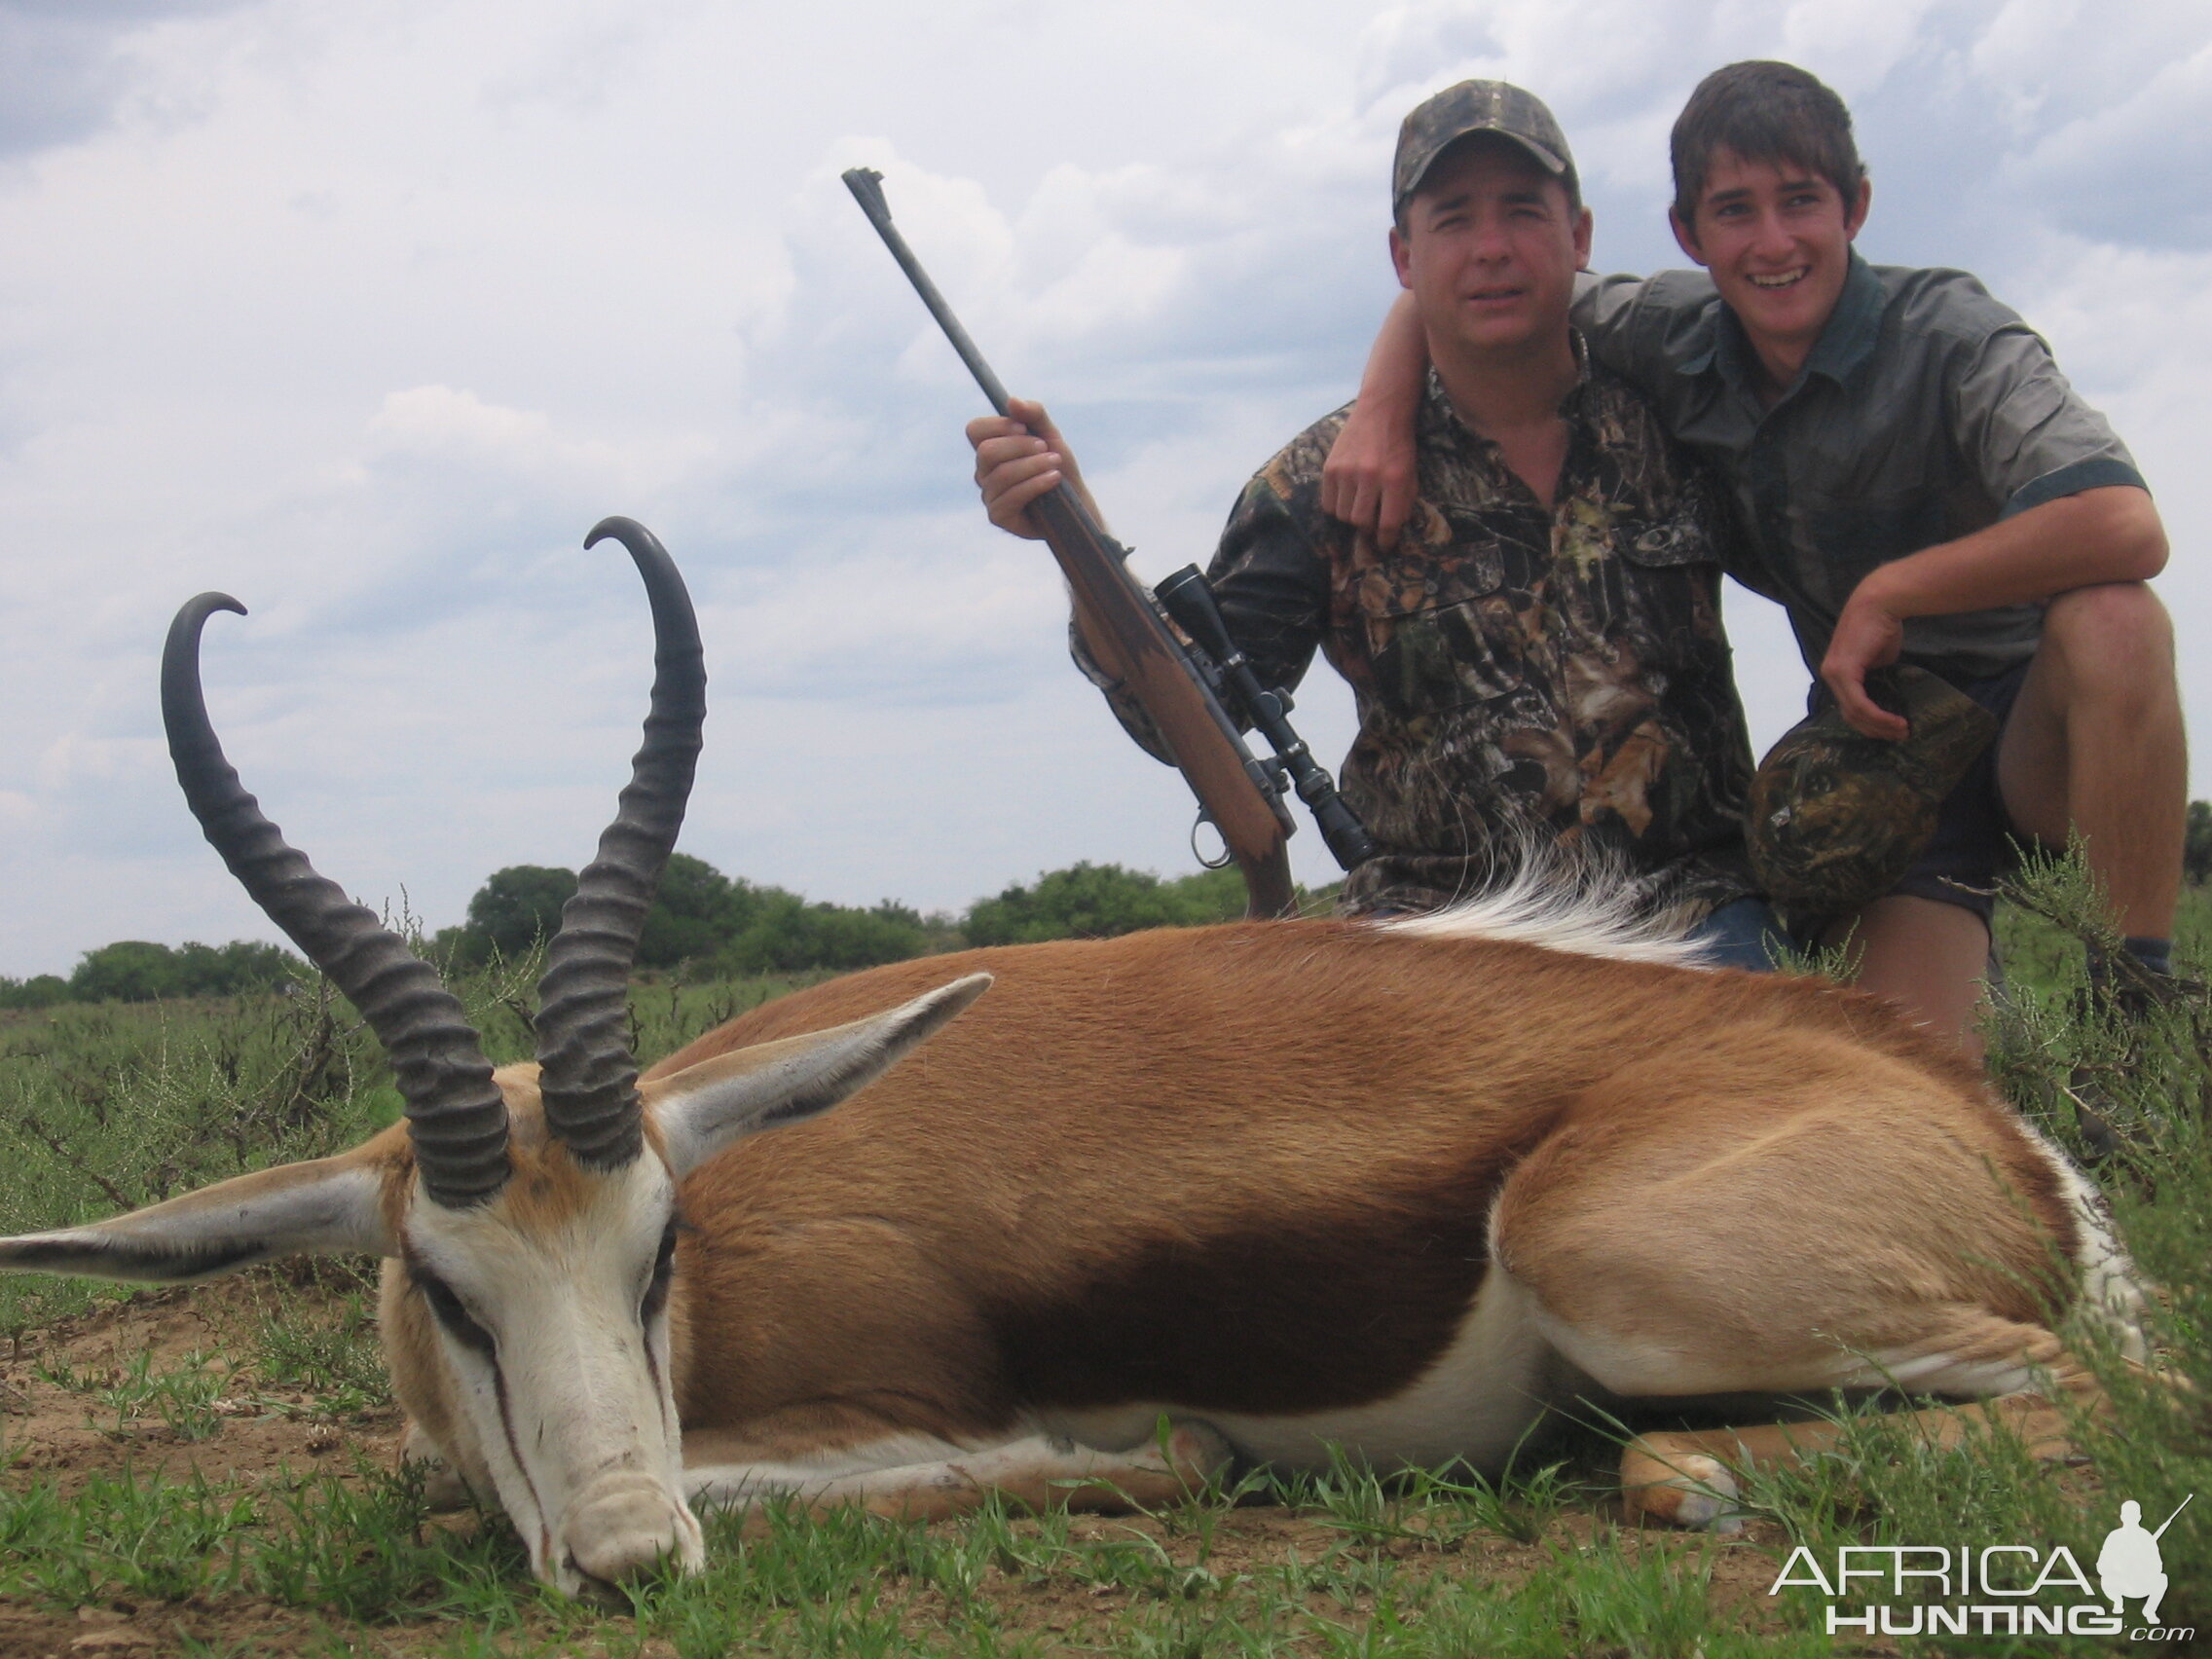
x=2115, y=634
x=1928, y=958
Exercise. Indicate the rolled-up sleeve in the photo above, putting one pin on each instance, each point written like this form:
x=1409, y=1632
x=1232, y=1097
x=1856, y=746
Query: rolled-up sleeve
x=2024, y=430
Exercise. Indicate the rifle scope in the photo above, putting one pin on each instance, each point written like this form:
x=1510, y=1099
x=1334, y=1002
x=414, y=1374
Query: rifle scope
x=1189, y=598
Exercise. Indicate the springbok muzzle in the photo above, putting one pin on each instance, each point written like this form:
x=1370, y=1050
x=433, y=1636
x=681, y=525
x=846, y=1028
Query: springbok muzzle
x=625, y=1525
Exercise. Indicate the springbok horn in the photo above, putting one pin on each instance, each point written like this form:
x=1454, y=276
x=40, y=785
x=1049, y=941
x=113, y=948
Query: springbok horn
x=588, y=1079
x=455, y=1117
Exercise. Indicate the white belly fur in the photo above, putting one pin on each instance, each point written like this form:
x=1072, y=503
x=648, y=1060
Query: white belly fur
x=1475, y=1403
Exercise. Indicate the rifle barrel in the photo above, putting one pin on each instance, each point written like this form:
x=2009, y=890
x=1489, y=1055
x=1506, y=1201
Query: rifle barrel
x=1130, y=641
x=867, y=186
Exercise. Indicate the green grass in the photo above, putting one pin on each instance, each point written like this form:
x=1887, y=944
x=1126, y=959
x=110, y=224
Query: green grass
x=1444, y=1564
x=112, y=1106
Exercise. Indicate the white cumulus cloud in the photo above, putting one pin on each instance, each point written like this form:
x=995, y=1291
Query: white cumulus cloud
x=367, y=314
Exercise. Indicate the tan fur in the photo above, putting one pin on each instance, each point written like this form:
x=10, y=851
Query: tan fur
x=1760, y=1180
x=1281, y=1184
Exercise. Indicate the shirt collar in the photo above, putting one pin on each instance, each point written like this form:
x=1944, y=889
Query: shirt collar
x=1570, y=407
x=1720, y=343
x=1853, y=325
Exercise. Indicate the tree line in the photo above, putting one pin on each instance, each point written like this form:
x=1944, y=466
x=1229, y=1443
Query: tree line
x=132, y=970
x=704, y=923
x=713, y=924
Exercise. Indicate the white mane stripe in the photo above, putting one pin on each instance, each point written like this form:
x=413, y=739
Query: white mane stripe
x=1582, y=912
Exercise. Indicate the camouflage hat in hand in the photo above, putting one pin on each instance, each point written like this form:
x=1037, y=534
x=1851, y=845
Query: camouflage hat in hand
x=1836, y=818
x=1477, y=106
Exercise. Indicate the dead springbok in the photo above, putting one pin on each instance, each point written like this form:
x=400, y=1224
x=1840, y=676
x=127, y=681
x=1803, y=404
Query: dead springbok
x=1286, y=1185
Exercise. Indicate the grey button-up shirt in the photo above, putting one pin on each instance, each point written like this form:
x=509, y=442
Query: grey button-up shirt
x=1927, y=411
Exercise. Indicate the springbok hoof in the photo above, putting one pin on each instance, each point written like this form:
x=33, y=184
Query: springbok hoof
x=443, y=1489
x=1197, y=1451
x=1680, y=1489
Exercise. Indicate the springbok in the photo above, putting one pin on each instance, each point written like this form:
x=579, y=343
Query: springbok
x=1243, y=1193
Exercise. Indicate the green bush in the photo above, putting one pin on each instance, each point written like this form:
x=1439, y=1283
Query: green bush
x=700, y=918
x=786, y=934
x=134, y=970
x=1088, y=900
x=515, y=910
x=697, y=911
x=40, y=990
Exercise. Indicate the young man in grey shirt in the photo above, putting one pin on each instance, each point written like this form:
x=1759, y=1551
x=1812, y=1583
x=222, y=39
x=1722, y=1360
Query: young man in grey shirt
x=1917, y=483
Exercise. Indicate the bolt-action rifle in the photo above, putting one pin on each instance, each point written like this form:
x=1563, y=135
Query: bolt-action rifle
x=1241, y=795
x=1189, y=598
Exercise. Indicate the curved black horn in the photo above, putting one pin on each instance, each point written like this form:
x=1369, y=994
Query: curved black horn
x=589, y=1078
x=456, y=1116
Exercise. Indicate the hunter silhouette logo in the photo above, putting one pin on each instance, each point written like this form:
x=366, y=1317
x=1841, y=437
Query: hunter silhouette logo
x=1995, y=1590
x=2129, y=1564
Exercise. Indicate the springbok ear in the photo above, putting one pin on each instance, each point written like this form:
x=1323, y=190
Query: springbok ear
x=325, y=1205
x=703, y=1107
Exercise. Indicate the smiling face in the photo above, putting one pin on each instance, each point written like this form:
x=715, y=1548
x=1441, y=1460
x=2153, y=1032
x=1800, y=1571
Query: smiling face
x=1490, y=247
x=1776, y=237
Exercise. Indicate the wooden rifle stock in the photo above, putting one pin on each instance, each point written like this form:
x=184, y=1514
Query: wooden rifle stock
x=1126, y=635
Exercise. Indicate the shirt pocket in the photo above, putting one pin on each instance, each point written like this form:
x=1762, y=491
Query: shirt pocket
x=1670, y=575
x=1659, y=545
x=1441, y=629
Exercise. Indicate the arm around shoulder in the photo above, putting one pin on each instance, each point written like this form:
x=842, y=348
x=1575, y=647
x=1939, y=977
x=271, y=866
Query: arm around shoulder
x=1370, y=479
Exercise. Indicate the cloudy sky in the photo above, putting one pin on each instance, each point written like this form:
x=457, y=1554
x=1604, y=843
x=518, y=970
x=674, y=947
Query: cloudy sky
x=365, y=313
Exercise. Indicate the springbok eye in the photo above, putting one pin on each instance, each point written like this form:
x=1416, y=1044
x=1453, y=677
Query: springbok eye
x=664, y=1265
x=450, y=1313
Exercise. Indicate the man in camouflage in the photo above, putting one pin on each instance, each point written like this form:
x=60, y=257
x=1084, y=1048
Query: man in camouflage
x=1540, y=658
x=1915, y=480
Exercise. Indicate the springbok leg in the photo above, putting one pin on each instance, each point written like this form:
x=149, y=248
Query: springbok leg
x=445, y=1488
x=888, y=1479
x=1690, y=1479
x=1662, y=1267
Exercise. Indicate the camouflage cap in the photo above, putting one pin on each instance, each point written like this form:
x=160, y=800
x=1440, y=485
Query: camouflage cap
x=1476, y=106
x=1836, y=819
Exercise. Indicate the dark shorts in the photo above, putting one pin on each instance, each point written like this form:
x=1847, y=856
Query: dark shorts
x=1973, y=843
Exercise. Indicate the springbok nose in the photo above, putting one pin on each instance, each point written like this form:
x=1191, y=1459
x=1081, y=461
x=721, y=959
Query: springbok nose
x=622, y=1529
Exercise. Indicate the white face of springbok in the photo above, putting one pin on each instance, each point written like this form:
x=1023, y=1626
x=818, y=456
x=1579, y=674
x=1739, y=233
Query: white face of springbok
x=530, y=1215
x=530, y=1332
x=551, y=1303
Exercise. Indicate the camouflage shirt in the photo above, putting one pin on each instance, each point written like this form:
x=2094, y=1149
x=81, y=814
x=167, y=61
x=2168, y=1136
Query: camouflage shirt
x=1516, y=670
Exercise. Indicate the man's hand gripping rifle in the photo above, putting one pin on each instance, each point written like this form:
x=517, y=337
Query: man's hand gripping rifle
x=1241, y=795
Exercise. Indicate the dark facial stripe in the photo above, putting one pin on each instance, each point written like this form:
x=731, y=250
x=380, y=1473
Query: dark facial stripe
x=664, y=1269
x=514, y=1451
x=653, y=1370
x=446, y=1307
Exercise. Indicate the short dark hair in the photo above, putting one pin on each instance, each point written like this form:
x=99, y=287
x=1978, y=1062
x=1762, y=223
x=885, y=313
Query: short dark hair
x=1764, y=112
x=1568, y=181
